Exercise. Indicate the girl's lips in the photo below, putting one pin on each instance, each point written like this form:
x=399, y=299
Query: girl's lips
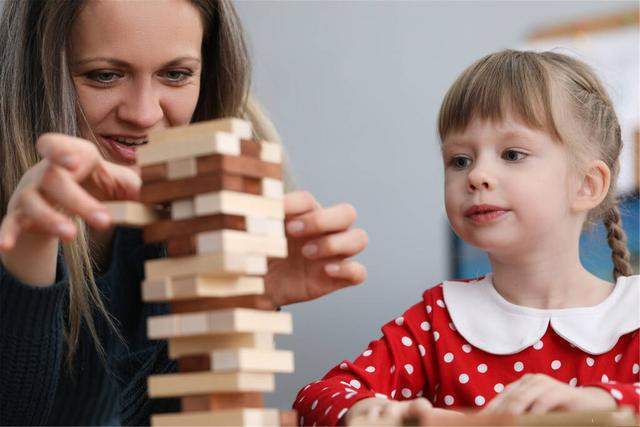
x=120, y=152
x=487, y=216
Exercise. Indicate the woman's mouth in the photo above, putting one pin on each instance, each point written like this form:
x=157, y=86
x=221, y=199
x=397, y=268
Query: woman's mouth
x=123, y=148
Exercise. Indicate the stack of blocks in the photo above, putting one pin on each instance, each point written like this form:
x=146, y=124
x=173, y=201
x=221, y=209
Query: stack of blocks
x=221, y=193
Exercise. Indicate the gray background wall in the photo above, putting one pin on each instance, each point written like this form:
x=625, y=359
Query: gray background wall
x=354, y=88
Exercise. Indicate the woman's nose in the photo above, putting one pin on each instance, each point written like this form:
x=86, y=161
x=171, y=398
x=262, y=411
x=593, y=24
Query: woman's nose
x=141, y=106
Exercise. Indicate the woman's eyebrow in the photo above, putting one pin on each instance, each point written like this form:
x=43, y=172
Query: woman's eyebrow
x=121, y=63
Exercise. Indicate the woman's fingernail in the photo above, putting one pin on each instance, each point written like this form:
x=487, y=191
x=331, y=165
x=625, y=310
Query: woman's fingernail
x=68, y=161
x=101, y=218
x=295, y=226
x=331, y=268
x=65, y=229
x=309, y=250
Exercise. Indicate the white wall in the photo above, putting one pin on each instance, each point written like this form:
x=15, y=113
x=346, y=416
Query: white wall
x=354, y=88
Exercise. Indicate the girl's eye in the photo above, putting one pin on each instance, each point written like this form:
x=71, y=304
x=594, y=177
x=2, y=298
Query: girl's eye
x=513, y=155
x=176, y=76
x=103, y=77
x=460, y=162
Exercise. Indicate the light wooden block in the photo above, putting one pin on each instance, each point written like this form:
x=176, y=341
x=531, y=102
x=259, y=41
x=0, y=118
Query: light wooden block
x=217, y=265
x=238, y=127
x=272, y=188
x=265, y=226
x=259, y=302
x=231, y=417
x=229, y=241
x=183, y=168
x=247, y=360
x=183, y=209
x=184, y=288
x=233, y=203
x=218, y=322
x=128, y=213
x=189, y=346
x=193, y=383
x=185, y=146
x=271, y=152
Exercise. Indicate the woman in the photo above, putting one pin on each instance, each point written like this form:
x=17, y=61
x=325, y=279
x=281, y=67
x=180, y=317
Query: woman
x=102, y=75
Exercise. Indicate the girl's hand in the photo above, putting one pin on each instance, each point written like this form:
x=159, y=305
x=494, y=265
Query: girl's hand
x=391, y=412
x=320, y=243
x=539, y=393
x=71, y=178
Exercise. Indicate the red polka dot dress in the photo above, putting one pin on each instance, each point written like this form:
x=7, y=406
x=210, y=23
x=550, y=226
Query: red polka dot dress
x=463, y=343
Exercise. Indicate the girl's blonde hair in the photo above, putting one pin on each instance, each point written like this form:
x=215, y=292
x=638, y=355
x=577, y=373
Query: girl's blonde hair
x=37, y=95
x=554, y=93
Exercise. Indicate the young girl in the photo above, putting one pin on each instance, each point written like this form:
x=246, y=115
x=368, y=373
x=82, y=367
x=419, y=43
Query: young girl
x=530, y=145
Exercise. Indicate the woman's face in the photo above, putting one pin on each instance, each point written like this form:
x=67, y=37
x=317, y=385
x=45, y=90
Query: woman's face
x=136, y=68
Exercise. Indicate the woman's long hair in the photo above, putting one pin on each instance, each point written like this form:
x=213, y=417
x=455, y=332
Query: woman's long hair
x=37, y=95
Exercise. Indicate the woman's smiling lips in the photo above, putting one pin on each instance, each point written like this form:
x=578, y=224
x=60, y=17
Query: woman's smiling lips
x=483, y=214
x=122, y=147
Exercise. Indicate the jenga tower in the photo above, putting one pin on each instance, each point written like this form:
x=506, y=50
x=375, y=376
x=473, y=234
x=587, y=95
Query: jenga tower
x=224, y=193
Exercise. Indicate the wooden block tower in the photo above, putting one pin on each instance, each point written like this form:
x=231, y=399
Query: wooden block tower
x=223, y=216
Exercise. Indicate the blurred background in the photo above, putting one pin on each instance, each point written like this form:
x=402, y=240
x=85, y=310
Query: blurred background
x=354, y=89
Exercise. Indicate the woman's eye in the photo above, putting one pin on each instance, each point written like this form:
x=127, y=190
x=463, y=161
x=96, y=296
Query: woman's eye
x=104, y=77
x=513, y=155
x=177, y=75
x=460, y=162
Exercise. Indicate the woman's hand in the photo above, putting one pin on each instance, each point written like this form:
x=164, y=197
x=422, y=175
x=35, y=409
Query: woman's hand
x=320, y=243
x=539, y=393
x=71, y=178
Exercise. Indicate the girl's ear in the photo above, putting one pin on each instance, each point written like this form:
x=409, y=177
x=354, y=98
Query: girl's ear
x=593, y=187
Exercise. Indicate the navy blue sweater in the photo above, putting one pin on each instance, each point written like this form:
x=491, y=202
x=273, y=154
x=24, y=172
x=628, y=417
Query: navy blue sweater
x=36, y=385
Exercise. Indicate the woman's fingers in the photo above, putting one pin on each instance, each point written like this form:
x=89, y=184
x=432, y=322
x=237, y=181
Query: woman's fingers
x=299, y=202
x=346, y=272
x=346, y=244
x=33, y=212
x=77, y=155
x=322, y=221
x=114, y=182
x=61, y=189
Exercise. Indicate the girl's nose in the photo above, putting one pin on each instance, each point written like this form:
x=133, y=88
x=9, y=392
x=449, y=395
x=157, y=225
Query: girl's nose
x=480, y=178
x=141, y=106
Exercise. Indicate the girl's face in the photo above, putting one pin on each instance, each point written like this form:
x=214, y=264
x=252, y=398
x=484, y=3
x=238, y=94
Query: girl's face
x=507, y=186
x=136, y=69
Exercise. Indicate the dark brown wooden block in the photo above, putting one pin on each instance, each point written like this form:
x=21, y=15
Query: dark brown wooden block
x=259, y=302
x=250, y=148
x=165, y=191
x=220, y=401
x=168, y=229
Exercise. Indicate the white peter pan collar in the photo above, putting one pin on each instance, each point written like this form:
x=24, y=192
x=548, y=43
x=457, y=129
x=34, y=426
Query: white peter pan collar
x=493, y=324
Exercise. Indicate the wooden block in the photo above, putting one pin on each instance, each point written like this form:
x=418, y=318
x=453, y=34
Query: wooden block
x=185, y=346
x=186, y=133
x=217, y=265
x=288, y=418
x=215, y=164
x=271, y=152
x=272, y=188
x=186, y=288
x=194, y=383
x=221, y=401
x=259, y=302
x=228, y=241
x=167, y=191
x=163, y=230
x=242, y=359
x=233, y=203
x=265, y=226
x=183, y=168
x=218, y=322
x=250, y=148
x=183, y=209
x=130, y=213
x=230, y=417
x=183, y=147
